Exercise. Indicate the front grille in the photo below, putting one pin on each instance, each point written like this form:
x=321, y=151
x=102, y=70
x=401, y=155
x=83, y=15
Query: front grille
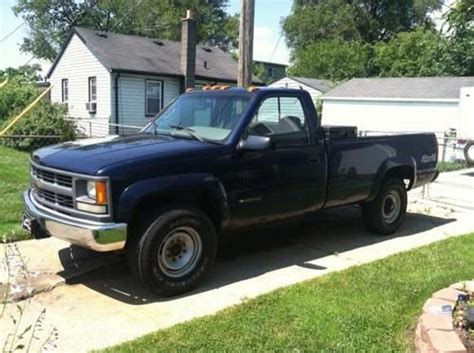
x=43, y=196
x=52, y=189
x=52, y=177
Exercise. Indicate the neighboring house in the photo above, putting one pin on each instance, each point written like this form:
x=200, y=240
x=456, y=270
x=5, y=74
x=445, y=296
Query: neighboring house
x=315, y=87
x=397, y=104
x=417, y=104
x=110, y=79
x=272, y=71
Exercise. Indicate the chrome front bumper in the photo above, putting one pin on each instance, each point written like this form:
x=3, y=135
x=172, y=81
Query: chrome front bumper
x=88, y=234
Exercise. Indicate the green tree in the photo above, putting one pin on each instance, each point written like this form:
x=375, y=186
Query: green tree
x=369, y=20
x=25, y=73
x=381, y=20
x=311, y=22
x=460, y=26
x=334, y=60
x=418, y=53
x=50, y=21
x=19, y=91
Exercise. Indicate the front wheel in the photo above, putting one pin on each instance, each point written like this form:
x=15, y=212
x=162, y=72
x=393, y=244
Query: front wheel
x=175, y=251
x=386, y=212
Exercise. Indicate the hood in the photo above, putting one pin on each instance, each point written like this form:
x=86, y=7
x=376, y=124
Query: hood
x=88, y=156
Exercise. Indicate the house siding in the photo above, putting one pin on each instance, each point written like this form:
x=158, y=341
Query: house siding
x=76, y=65
x=288, y=82
x=395, y=117
x=391, y=116
x=131, y=97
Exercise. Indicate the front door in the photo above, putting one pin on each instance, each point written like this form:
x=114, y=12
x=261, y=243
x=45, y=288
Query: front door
x=285, y=180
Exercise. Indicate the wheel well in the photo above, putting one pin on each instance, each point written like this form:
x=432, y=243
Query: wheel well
x=406, y=173
x=151, y=206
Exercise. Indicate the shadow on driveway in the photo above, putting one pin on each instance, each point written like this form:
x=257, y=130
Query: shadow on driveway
x=249, y=255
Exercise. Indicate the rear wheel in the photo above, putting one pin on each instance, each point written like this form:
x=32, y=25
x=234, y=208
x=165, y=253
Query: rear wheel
x=175, y=251
x=386, y=212
x=469, y=153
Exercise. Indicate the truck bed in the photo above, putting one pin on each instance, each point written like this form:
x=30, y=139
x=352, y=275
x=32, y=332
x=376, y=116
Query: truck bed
x=354, y=163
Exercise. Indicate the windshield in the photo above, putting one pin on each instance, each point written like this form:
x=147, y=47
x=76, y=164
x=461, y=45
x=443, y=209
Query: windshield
x=208, y=117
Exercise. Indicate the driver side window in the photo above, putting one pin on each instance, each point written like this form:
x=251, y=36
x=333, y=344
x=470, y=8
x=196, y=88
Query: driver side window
x=283, y=120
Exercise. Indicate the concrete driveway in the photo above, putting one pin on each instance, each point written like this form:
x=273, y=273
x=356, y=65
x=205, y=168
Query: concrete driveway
x=87, y=300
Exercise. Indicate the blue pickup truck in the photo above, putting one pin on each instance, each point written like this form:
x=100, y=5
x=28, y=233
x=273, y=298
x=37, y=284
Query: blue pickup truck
x=213, y=162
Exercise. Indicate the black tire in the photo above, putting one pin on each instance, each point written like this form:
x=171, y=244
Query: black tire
x=467, y=155
x=155, y=255
x=386, y=212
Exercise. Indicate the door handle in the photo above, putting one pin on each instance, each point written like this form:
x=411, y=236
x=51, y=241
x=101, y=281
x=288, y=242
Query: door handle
x=314, y=160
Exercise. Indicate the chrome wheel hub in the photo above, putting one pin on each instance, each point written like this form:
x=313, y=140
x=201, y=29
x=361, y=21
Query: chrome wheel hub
x=179, y=251
x=391, y=206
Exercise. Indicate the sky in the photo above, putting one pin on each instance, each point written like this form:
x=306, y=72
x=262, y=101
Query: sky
x=269, y=45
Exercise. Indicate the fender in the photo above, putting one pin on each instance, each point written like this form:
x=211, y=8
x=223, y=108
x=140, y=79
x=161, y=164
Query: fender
x=387, y=166
x=191, y=184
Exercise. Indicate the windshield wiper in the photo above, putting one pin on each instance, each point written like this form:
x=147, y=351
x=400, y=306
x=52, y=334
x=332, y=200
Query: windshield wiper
x=190, y=131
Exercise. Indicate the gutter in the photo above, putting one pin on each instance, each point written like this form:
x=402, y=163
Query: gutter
x=116, y=87
x=389, y=99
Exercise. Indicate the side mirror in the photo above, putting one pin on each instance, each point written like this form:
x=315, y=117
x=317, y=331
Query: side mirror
x=256, y=143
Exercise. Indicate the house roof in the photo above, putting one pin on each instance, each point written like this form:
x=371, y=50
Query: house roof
x=120, y=52
x=401, y=88
x=321, y=85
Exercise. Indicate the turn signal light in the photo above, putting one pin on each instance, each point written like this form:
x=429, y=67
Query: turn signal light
x=101, y=192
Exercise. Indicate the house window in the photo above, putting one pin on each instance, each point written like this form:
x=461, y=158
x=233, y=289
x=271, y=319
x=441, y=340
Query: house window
x=64, y=90
x=153, y=94
x=93, y=89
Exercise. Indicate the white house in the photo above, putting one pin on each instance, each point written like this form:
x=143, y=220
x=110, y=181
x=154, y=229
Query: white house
x=315, y=87
x=418, y=104
x=397, y=104
x=110, y=79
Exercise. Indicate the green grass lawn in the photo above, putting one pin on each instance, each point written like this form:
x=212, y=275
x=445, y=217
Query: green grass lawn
x=14, y=178
x=372, y=307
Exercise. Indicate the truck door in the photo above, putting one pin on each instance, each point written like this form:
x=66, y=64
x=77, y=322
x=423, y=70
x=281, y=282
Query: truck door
x=287, y=179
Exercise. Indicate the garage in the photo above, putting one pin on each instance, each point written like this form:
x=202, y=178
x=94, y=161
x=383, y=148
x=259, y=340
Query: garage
x=444, y=105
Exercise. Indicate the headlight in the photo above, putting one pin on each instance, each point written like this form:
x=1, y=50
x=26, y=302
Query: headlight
x=91, y=190
x=95, y=197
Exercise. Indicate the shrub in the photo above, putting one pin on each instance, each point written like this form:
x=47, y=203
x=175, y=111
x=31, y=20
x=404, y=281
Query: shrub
x=15, y=96
x=46, y=119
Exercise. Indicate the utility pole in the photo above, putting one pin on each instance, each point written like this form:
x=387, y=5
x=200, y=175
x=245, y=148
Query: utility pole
x=247, y=14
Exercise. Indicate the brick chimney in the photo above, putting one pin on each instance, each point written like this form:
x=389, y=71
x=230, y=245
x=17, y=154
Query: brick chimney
x=188, y=49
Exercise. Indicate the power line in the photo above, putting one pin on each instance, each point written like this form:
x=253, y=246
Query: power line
x=276, y=47
x=29, y=61
x=9, y=34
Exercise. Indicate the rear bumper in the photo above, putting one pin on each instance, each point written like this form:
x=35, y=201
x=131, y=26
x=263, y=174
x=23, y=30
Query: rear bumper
x=92, y=235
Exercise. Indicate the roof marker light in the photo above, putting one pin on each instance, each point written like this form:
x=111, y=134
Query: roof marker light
x=252, y=89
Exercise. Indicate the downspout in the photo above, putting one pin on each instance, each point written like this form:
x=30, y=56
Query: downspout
x=116, y=87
